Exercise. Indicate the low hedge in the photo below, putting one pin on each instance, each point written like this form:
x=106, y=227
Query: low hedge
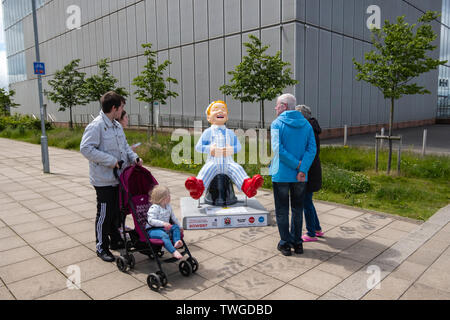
x=343, y=181
x=22, y=122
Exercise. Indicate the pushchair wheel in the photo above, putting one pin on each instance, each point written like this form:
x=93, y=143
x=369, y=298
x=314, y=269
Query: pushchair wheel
x=194, y=264
x=131, y=261
x=162, y=277
x=153, y=282
x=185, y=268
x=122, y=264
x=160, y=254
x=129, y=246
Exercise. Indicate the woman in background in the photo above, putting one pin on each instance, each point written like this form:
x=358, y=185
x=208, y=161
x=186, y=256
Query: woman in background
x=314, y=183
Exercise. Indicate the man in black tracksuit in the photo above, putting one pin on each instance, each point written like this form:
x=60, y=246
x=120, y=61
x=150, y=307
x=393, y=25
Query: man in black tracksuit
x=104, y=145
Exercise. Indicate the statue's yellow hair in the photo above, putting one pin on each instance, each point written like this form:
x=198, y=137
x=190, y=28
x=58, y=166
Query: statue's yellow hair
x=208, y=110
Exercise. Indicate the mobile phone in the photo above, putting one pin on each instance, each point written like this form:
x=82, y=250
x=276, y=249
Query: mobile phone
x=136, y=145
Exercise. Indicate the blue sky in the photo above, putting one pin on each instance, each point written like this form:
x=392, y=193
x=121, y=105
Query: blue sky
x=3, y=64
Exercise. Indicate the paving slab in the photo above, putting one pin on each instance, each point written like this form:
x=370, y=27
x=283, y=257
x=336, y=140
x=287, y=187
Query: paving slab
x=38, y=286
x=290, y=292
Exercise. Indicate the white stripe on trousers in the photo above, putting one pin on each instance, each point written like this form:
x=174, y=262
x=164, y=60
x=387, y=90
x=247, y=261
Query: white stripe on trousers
x=231, y=169
x=101, y=219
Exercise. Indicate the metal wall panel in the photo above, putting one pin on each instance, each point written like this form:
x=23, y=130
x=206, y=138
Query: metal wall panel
x=217, y=68
x=299, y=63
x=200, y=20
x=349, y=11
x=347, y=82
x=187, y=21
x=174, y=22
x=326, y=13
x=313, y=12
x=132, y=103
x=215, y=16
x=232, y=16
x=337, y=23
x=150, y=15
x=232, y=59
x=312, y=69
x=141, y=27
x=357, y=86
x=123, y=36
x=188, y=80
x=336, y=81
x=289, y=10
x=250, y=15
x=162, y=31
x=201, y=78
x=324, y=101
x=176, y=104
x=131, y=31
x=270, y=12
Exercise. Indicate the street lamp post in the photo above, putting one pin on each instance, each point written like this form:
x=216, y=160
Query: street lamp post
x=44, y=140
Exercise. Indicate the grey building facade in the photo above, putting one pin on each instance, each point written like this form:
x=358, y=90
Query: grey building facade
x=204, y=40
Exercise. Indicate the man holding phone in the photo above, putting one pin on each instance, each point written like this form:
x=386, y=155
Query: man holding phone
x=104, y=145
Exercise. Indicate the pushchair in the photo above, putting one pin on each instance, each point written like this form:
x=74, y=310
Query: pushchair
x=135, y=183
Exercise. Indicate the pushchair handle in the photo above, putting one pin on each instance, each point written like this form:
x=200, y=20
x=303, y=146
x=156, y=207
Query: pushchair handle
x=116, y=173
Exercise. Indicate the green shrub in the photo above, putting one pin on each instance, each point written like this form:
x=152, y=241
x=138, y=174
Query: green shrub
x=353, y=159
x=399, y=192
x=22, y=121
x=432, y=167
x=343, y=181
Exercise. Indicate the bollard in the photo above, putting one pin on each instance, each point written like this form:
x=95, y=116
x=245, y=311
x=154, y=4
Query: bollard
x=399, y=156
x=381, y=142
x=345, y=135
x=376, y=154
x=425, y=133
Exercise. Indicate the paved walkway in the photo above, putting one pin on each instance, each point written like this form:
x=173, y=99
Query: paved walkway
x=47, y=226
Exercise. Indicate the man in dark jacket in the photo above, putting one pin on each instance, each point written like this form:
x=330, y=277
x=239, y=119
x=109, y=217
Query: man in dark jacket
x=314, y=182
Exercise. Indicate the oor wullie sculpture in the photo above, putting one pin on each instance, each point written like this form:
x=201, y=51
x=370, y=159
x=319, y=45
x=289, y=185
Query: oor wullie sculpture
x=220, y=144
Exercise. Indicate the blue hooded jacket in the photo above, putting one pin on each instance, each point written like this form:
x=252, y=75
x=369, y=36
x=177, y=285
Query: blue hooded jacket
x=292, y=141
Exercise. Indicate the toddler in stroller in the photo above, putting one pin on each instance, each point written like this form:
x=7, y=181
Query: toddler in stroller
x=136, y=185
x=162, y=221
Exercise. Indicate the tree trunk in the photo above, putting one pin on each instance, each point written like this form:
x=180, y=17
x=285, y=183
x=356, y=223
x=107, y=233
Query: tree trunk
x=391, y=124
x=262, y=115
x=71, y=122
x=152, y=120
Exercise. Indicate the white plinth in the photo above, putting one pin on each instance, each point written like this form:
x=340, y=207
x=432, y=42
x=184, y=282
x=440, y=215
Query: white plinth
x=238, y=215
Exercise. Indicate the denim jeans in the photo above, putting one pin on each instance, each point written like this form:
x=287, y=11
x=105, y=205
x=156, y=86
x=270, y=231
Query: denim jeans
x=311, y=219
x=293, y=193
x=161, y=234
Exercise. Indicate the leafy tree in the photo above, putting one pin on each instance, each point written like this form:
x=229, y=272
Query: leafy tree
x=97, y=85
x=68, y=88
x=6, y=101
x=259, y=77
x=151, y=83
x=400, y=57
